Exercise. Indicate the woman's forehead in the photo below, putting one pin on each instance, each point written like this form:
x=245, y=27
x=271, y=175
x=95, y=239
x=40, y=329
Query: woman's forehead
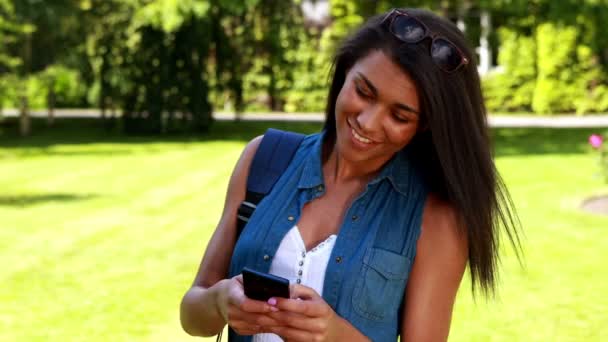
x=386, y=76
x=378, y=66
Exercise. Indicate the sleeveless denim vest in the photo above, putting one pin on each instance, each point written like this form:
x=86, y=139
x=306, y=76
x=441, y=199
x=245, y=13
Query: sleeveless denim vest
x=369, y=267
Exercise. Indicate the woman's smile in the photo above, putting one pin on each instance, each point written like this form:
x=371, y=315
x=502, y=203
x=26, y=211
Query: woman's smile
x=359, y=140
x=376, y=112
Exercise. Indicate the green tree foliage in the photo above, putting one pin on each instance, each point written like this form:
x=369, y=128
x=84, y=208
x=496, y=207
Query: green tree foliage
x=553, y=56
x=149, y=60
x=169, y=86
x=9, y=35
x=513, y=89
x=165, y=64
x=556, y=79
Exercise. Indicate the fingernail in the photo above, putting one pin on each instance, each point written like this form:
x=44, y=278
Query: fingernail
x=274, y=309
x=272, y=301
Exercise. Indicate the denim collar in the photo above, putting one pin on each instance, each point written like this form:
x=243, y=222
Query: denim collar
x=396, y=170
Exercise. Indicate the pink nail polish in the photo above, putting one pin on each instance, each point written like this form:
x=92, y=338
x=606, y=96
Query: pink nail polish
x=272, y=301
x=274, y=309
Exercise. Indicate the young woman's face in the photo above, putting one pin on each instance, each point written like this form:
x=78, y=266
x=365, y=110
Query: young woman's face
x=376, y=110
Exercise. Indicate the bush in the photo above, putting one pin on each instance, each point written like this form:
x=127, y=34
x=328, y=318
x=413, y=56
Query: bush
x=598, y=142
x=557, y=88
x=68, y=88
x=549, y=72
x=32, y=87
x=512, y=89
x=591, y=83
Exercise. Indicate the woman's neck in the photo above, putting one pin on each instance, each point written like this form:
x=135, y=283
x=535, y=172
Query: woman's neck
x=338, y=170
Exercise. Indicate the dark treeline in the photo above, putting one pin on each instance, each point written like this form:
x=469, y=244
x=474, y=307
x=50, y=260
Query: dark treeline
x=165, y=65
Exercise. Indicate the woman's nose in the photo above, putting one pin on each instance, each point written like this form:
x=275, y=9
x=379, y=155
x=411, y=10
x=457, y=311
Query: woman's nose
x=370, y=118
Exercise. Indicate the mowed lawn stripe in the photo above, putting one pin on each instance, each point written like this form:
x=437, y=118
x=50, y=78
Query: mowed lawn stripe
x=150, y=197
x=130, y=192
x=111, y=260
x=120, y=239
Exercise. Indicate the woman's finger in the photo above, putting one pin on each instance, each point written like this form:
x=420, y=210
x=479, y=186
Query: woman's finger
x=237, y=298
x=255, y=306
x=310, y=308
x=299, y=321
x=236, y=314
x=302, y=292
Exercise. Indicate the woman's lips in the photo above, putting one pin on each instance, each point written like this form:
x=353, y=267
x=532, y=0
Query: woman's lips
x=358, y=141
x=360, y=138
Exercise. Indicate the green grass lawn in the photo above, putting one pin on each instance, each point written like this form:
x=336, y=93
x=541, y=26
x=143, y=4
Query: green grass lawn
x=101, y=234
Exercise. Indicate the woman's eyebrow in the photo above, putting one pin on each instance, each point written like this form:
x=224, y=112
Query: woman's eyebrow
x=369, y=84
x=373, y=89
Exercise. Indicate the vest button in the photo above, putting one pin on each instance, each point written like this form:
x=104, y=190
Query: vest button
x=338, y=259
x=266, y=257
x=355, y=217
x=290, y=218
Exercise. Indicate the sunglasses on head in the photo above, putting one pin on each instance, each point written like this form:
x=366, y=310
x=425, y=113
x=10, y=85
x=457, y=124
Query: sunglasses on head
x=445, y=54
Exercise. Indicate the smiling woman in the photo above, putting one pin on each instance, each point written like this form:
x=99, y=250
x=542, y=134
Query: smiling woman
x=376, y=217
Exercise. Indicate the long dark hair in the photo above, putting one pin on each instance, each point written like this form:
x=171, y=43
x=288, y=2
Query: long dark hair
x=454, y=150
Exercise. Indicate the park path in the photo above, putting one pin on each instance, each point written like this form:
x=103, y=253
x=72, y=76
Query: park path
x=495, y=120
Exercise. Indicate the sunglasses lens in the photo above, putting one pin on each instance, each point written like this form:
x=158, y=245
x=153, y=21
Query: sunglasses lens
x=445, y=55
x=408, y=29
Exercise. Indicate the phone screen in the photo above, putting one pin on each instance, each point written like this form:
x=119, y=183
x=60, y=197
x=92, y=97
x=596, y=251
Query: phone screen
x=262, y=286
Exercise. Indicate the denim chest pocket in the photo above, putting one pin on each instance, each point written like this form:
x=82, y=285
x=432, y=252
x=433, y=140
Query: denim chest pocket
x=379, y=290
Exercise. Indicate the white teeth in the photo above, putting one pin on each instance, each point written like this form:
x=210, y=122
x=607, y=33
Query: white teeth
x=360, y=138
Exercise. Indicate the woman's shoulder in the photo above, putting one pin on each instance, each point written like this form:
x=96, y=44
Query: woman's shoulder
x=252, y=147
x=438, y=206
x=441, y=225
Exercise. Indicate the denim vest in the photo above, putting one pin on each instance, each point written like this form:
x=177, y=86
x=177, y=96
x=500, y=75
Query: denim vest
x=369, y=267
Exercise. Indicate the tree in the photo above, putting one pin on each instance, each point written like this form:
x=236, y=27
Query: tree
x=10, y=32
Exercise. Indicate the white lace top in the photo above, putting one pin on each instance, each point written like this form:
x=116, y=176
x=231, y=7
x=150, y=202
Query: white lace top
x=299, y=266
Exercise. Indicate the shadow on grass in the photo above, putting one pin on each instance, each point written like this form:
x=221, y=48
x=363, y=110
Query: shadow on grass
x=507, y=141
x=535, y=140
x=31, y=200
x=92, y=130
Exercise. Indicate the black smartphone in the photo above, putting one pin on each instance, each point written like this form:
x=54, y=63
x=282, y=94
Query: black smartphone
x=263, y=286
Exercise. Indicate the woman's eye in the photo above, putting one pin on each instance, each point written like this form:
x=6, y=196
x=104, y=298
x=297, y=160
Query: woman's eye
x=362, y=92
x=400, y=118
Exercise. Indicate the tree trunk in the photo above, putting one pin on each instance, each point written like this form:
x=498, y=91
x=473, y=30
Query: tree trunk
x=24, y=117
x=51, y=105
x=103, y=108
x=485, y=52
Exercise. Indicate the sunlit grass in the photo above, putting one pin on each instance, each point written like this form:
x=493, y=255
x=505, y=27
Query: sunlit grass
x=101, y=235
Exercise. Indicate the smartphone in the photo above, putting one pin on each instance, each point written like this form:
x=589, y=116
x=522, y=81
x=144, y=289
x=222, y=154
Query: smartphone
x=263, y=286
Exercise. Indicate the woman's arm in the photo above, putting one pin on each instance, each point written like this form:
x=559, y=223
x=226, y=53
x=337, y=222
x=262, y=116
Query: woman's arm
x=441, y=257
x=203, y=310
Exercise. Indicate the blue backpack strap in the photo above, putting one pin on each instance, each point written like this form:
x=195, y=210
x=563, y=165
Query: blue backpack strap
x=270, y=161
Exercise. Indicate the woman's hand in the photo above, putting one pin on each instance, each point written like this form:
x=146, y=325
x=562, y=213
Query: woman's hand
x=244, y=315
x=304, y=317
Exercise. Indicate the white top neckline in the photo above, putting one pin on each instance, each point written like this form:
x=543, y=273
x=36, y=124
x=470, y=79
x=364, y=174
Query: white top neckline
x=293, y=262
x=295, y=233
